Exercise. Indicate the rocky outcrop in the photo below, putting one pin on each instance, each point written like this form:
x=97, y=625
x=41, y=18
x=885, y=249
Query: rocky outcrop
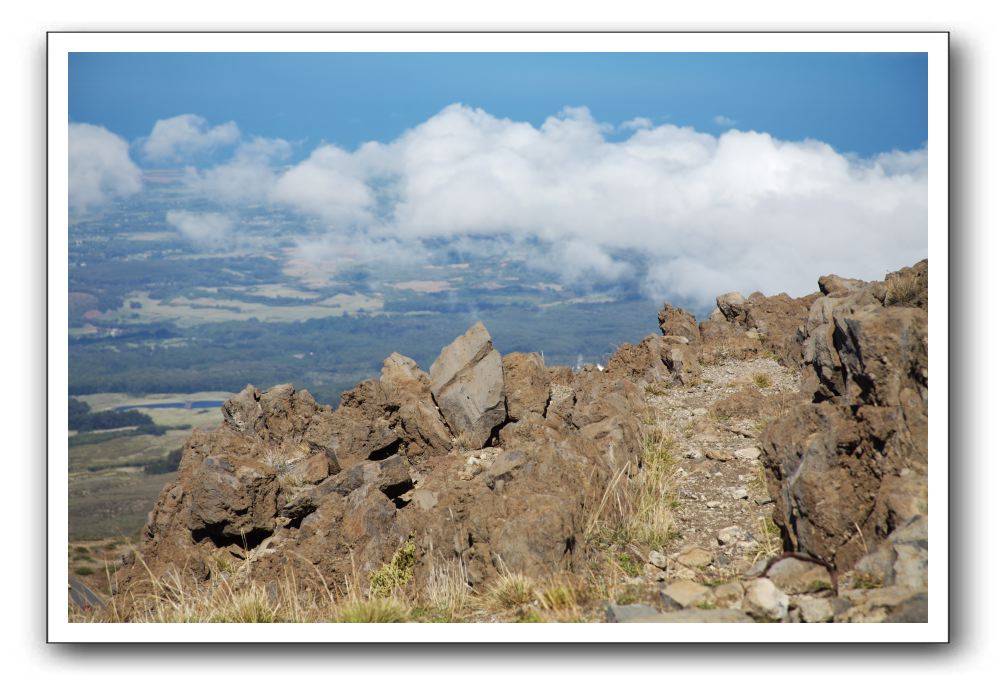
x=849, y=466
x=497, y=463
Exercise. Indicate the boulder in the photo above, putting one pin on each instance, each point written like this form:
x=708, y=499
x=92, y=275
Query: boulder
x=675, y=321
x=764, y=602
x=467, y=383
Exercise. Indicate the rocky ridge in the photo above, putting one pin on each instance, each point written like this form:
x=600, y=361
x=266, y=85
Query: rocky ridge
x=797, y=426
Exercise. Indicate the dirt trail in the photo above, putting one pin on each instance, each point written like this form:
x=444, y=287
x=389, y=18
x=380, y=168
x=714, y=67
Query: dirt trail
x=720, y=481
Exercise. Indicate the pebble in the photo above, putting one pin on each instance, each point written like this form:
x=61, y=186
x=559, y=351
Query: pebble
x=761, y=500
x=747, y=453
x=657, y=559
x=729, y=535
x=699, y=412
x=739, y=493
x=718, y=455
x=692, y=454
x=713, y=505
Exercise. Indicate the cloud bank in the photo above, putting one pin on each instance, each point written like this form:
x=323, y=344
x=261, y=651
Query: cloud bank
x=186, y=136
x=682, y=215
x=99, y=168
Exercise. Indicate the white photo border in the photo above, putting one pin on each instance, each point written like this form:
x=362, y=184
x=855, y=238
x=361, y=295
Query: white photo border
x=61, y=44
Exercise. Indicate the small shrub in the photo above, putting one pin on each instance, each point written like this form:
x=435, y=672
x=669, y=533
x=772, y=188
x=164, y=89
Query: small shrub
x=396, y=573
x=84, y=571
x=630, y=567
x=705, y=604
x=762, y=380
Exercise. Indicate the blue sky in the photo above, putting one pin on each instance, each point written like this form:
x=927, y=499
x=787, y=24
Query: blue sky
x=858, y=103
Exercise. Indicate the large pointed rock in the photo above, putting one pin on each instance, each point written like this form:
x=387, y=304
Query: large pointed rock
x=468, y=384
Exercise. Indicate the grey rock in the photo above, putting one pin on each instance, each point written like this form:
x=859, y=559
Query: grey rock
x=747, y=453
x=468, y=385
x=731, y=305
x=696, y=615
x=814, y=610
x=683, y=593
x=731, y=535
x=763, y=600
x=792, y=576
x=628, y=613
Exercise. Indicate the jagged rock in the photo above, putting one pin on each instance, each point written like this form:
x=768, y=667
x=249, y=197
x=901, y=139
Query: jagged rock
x=233, y=497
x=847, y=468
x=831, y=284
x=681, y=360
x=527, y=384
x=763, y=601
x=731, y=305
x=643, y=362
x=678, y=322
x=469, y=388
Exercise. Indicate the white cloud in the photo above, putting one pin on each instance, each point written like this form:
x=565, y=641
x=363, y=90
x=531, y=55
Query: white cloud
x=685, y=215
x=249, y=176
x=186, y=136
x=724, y=121
x=99, y=167
x=205, y=229
x=637, y=123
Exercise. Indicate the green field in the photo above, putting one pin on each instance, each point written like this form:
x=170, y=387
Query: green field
x=110, y=494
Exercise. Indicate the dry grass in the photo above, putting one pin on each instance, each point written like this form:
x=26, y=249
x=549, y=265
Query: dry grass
x=509, y=591
x=638, y=510
x=446, y=590
x=903, y=289
x=761, y=380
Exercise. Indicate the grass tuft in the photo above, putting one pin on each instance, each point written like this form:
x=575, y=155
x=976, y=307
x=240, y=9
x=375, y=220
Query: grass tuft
x=761, y=380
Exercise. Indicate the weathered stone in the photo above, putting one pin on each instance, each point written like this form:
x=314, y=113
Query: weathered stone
x=728, y=595
x=696, y=615
x=813, y=609
x=527, y=384
x=747, y=454
x=469, y=388
x=718, y=455
x=694, y=557
x=763, y=601
x=628, y=613
x=731, y=535
x=731, y=305
x=678, y=322
x=683, y=593
x=793, y=576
